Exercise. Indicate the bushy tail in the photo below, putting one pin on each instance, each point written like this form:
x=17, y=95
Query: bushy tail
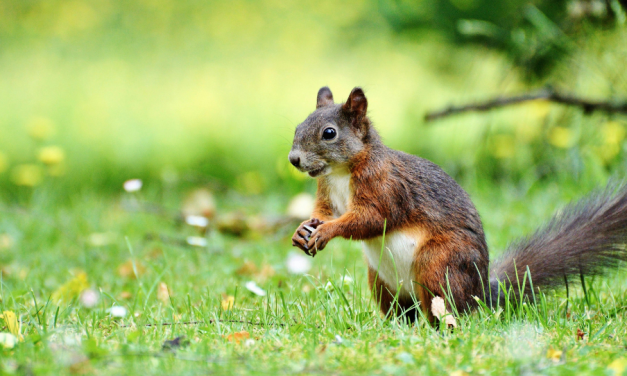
x=587, y=238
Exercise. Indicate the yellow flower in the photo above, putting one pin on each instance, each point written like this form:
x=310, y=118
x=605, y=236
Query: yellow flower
x=40, y=128
x=51, y=155
x=4, y=162
x=562, y=137
x=28, y=175
x=613, y=132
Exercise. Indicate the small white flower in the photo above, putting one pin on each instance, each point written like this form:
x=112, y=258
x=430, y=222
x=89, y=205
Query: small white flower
x=89, y=298
x=297, y=263
x=249, y=342
x=133, y=185
x=346, y=281
x=117, y=311
x=301, y=206
x=197, y=220
x=252, y=287
x=329, y=286
x=197, y=241
x=338, y=340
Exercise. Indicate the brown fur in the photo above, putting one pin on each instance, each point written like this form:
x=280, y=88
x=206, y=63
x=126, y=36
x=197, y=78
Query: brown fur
x=400, y=192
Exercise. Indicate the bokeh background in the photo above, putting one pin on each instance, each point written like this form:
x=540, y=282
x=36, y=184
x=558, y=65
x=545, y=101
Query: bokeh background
x=182, y=93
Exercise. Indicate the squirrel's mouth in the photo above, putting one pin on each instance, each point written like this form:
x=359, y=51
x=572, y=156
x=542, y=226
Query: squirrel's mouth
x=316, y=172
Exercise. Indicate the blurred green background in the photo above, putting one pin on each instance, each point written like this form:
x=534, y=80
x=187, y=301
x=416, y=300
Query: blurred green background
x=93, y=93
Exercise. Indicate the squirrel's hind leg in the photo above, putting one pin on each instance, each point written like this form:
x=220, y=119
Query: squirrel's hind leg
x=391, y=303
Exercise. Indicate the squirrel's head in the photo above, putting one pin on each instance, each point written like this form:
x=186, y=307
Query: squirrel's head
x=332, y=134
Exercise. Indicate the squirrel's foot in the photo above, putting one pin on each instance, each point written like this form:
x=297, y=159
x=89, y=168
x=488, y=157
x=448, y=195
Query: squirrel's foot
x=302, y=236
x=438, y=309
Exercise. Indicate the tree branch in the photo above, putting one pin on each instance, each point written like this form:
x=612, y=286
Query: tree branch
x=588, y=106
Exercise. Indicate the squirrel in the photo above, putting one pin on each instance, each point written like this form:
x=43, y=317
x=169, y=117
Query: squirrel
x=423, y=239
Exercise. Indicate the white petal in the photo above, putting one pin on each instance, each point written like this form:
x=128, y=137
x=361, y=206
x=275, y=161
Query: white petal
x=197, y=241
x=133, y=185
x=297, y=263
x=197, y=220
x=252, y=287
x=117, y=311
x=89, y=298
x=301, y=206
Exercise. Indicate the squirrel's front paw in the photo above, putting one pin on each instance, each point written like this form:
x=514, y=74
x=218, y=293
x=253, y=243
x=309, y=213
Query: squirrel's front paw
x=303, y=234
x=319, y=238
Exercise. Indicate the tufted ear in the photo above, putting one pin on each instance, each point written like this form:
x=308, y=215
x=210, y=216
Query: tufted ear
x=325, y=97
x=356, y=106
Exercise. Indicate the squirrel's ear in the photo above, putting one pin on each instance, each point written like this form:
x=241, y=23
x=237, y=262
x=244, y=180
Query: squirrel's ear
x=356, y=105
x=325, y=97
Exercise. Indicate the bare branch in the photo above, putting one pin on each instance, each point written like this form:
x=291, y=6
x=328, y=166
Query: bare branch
x=588, y=106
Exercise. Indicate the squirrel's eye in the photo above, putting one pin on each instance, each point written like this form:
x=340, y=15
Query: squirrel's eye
x=329, y=134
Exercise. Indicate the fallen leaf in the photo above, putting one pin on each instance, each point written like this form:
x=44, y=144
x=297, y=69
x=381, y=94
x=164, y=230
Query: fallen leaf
x=199, y=202
x=12, y=323
x=162, y=293
x=266, y=272
x=234, y=223
x=580, y=334
x=248, y=268
x=126, y=270
x=237, y=337
x=227, y=303
x=553, y=354
x=125, y=295
x=71, y=289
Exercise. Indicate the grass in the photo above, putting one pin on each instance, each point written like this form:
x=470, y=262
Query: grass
x=183, y=95
x=303, y=325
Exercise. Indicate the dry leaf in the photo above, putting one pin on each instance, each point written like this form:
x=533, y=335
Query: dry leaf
x=234, y=223
x=71, y=289
x=227, y=303
x=199, y=202
x=238, y=336
x=249, y=268
x=126, y=269
x=125, y=295
x=12, y=323
x=266, y=272
x=580, y=334
x=553, y=354
x=162, y=293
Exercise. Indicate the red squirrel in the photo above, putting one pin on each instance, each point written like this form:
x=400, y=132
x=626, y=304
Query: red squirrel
x=435, y=257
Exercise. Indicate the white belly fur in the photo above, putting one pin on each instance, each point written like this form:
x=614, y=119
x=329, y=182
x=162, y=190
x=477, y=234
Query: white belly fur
x=396, y=266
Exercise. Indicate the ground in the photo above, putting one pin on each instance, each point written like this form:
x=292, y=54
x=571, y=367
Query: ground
x=187, y=310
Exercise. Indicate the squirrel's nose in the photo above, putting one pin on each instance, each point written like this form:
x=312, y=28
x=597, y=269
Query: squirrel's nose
x=295, y=160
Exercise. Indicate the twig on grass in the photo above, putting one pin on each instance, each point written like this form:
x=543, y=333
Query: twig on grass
x=202, y=322
x=588, y=106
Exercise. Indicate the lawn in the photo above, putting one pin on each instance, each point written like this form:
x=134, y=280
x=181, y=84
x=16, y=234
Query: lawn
x=66, y=268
